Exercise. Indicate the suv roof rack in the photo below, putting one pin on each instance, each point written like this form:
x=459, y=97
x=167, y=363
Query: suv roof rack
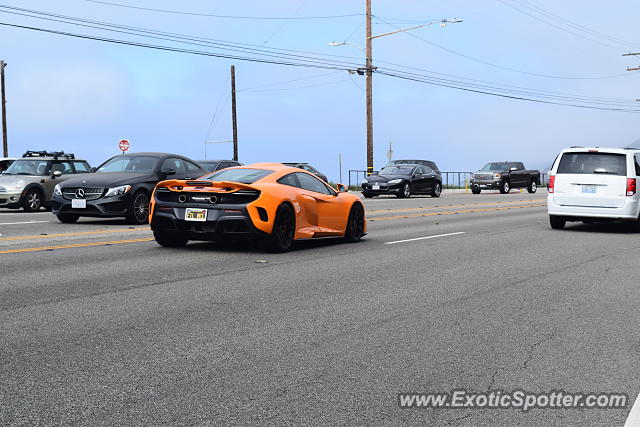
x=44, y=153
x=631, y=148
x=576, y=146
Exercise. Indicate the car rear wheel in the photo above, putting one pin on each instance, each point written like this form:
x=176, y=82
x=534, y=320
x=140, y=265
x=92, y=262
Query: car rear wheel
x=405, y=192
x=437, y=190
x=533, y=187
x=138, y=211
x=476, y=190
x=283, y=232
x=68, y=218
x=355, y=224
x=169, y=239
x=32, y=201
x=557, y=222
x=505, y=187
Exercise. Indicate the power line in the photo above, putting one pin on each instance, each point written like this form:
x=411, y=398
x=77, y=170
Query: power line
x=502, y=67
x=211, y=15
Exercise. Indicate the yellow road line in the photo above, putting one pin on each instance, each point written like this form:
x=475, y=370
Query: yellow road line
x=80, y=233
x=450, y=206
x=455, y=212
x=75, y=245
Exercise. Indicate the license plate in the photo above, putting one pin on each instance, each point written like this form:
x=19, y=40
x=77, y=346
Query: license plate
x=589, y=189
x=78, y=203
x=375, y=186
x=191, y=214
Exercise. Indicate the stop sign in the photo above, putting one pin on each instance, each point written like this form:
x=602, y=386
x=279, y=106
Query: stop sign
x=124, y=145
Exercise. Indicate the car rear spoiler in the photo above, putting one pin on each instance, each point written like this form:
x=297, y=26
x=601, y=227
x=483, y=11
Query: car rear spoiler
x=179, y=185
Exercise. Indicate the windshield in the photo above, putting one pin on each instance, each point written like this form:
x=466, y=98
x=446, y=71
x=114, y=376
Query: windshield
x=495, y=167
x=590, y=163
x=243, y=176
x=135, y=164
x=28, y=167
x=397, y=170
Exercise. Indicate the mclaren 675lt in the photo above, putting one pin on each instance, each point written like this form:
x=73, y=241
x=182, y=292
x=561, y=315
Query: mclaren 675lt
x=274, y=202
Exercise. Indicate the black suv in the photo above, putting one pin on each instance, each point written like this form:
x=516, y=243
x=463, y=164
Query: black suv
x=120, y=187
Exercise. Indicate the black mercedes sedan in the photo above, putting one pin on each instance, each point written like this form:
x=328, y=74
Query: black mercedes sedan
x=120, y=187
x=403, y=181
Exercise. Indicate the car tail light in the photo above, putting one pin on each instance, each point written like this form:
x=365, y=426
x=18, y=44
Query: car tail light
x=552, y=182
x=631, y=186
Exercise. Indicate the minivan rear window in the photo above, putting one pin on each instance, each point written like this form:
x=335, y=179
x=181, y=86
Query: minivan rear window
x=593, y=163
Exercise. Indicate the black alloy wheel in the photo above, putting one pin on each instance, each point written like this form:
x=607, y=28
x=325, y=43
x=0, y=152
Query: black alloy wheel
x=437, y=190
x=169, y=239
x=138, y=212
x=283, y=232
x=405, y=192
x=355, y=224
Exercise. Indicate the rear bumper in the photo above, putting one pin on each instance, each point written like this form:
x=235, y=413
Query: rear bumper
x=221, y=222
x=629, y=211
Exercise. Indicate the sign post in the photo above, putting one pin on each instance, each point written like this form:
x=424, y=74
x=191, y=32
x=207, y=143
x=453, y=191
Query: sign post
x=124, y=145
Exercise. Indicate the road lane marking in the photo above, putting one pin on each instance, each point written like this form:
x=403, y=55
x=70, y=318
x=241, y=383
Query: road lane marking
x=450, y=206
x=424, y=238
x=75, y=245
x=453, y=212
x=633, y=420
x=24, y=222
x=80, y=233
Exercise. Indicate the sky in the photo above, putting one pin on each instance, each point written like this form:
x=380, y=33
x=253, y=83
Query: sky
x=83, y=96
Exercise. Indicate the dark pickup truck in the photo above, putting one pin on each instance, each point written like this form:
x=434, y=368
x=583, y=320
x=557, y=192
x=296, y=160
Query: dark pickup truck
x=504, y=176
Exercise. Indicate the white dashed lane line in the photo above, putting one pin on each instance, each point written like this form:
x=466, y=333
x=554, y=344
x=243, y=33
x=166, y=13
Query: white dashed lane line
x=424, y=238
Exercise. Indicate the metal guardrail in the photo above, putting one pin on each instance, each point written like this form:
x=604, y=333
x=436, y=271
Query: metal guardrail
x=450, y=179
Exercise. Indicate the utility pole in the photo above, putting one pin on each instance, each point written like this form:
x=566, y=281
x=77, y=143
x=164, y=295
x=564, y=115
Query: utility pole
x=3, y=101
x=234, y=117
x=369, y=90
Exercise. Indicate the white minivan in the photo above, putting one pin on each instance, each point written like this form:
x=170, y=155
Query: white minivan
x=594, y=185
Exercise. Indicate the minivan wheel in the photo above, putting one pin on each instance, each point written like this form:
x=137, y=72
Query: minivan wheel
x=557, y=222
x=505, y=187
x=533, y=187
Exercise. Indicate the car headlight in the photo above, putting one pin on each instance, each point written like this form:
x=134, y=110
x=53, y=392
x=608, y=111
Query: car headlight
x=497, y=176
x=57, y=190
x=364, y=181
x=118, y=191
x=395, y=181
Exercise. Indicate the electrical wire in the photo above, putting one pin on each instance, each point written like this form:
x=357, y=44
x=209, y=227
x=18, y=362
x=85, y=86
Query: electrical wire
x=210, y=15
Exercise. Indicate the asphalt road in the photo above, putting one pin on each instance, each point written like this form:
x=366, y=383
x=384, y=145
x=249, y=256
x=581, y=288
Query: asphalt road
x=100, y=326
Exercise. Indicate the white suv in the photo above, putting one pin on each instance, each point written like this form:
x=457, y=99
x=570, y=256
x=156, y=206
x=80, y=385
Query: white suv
x=594, y=184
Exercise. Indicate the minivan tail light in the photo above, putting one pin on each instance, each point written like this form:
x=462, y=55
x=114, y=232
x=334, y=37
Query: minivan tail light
x=631, y=186
x=552, y=182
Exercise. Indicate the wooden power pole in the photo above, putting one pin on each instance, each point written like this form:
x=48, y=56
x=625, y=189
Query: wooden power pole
x=369, y=90
x=3, y=101
x=234, y=117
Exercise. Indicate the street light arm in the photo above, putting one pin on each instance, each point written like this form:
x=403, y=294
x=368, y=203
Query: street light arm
x=442, y=21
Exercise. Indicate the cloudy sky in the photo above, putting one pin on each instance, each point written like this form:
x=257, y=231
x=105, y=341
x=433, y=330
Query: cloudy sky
x=83, y=95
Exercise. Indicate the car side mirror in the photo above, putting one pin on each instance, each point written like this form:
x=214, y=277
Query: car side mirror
x=342, y=188
x=167, y=172
x=513, y=169
x=56, y=174
x=93, y=170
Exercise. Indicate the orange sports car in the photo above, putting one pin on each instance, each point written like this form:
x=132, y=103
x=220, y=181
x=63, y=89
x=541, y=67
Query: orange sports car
x=269, y=200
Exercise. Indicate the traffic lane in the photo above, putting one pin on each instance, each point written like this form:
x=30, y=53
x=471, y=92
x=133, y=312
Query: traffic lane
x=260, y=343
x=391, y=202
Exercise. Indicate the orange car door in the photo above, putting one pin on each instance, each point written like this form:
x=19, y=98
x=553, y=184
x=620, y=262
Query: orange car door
x=329, y=207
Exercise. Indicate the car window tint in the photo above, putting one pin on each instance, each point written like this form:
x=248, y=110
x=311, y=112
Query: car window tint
x=175, y=164
x=290, y=180
x=311, y=183
x=191, y=167
x=427, y=171
x=64, y=167
x=593, y=163
x=81, y=167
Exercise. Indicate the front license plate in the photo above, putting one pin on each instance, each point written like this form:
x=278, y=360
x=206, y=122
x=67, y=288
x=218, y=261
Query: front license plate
x=589, y=189
x=78, y=203
x=375, y=187
x=191, y=214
